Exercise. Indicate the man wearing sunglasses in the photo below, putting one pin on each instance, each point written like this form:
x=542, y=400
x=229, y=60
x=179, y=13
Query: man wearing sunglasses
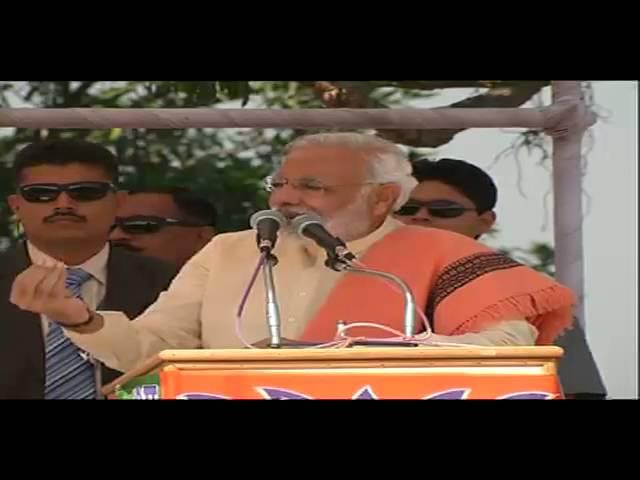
x=66, y=202
x=455, y=195
x=452, y=195
x=150, y=219
x=471, y=294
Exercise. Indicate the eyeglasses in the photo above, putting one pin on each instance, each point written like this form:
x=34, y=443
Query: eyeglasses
x=78, y=191
x=436, y=208
x=305, y=185
x=148, y=224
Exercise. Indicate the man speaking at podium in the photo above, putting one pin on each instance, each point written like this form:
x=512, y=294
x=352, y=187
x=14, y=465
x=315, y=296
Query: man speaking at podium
x=354, y=182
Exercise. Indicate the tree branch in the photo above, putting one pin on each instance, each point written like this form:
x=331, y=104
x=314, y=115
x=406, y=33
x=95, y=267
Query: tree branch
x=500, y=97
x=432, y=84
x=505, y=94
x=346, y=94
x=442, y=84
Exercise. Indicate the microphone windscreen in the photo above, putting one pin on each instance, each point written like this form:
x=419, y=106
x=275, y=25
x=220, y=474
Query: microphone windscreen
x=299, y=223
x=263, y=214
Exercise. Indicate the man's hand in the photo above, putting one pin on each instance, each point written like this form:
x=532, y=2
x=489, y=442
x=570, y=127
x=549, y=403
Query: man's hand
x=41, y=289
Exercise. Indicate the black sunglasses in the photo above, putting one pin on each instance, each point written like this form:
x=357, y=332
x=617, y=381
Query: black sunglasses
x=78, y=191
x=436, y=208
x=147, y=224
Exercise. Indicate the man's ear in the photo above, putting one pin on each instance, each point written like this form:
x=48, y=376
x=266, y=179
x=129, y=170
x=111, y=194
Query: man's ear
x=13, y=202
x=487, y=219
x=385, y=197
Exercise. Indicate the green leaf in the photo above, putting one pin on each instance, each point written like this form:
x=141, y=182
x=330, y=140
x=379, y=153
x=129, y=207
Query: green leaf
x=237, y=90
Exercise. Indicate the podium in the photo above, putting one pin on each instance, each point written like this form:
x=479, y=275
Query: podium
x=346, y=373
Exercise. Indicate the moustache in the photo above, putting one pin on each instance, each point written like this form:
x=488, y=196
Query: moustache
x=127, y=246
x=290, y=214
x=65, y=216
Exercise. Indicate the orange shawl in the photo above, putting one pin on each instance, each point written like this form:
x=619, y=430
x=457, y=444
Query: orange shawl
x=462, y=285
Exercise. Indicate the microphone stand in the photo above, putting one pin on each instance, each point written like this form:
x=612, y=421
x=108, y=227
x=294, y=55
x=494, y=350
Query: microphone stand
x=272, y=309
x=339, y=263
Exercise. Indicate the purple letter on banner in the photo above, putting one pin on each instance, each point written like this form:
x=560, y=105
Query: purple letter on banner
x=146, y=392
x=200, y=396
x=455, y=394
x=281, y=394
x=365, y=393
x=527, y=396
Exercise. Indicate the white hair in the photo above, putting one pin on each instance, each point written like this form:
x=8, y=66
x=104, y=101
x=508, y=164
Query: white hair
x=389, y=164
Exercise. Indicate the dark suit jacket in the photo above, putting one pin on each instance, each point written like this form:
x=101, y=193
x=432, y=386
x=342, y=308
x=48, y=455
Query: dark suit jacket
x=133, y=283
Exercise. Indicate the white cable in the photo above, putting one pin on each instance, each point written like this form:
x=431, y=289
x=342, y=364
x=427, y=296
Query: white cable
x=243, y=301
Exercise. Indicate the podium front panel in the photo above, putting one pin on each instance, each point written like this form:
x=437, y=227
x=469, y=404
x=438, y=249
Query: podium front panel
x=442, y=379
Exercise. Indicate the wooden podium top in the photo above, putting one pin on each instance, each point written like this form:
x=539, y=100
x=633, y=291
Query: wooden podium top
x=367, y=353
x=374, y=357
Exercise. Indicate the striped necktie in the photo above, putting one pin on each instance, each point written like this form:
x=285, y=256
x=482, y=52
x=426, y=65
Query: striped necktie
x=69, y=374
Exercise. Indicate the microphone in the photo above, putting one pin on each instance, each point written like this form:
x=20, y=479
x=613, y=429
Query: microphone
x=339, y=258
x=310, y=226
x=267, y=223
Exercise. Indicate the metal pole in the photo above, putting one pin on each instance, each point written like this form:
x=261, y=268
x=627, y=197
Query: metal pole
x=567, y=195
x=347, y=118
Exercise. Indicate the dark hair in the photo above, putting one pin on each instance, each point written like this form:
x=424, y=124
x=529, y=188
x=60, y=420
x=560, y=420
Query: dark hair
x=65, y=151
x=473, y=182
x=193, y=205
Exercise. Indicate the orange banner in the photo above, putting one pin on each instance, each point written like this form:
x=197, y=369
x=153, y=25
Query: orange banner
x=355, y=384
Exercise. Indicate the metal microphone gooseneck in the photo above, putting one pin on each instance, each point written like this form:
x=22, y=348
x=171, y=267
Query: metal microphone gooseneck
x=409, y=301
x=272, y=309
x=267, y=223
x=339, y=258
